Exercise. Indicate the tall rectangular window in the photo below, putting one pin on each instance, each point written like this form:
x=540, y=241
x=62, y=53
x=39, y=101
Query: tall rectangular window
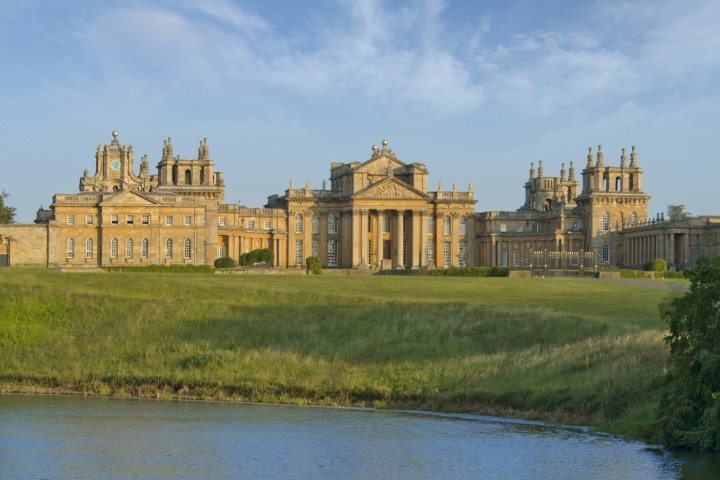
x=446, y=254
x=88, y=219
x=431, y=225
x=221, y=221
x=431, y=252
x=369, y=252
x=315, y=248
x=221, y=251
x=187, y=249
x=503, y=259
x=187, y=220
x=145, y=248
x=89, y=248
x=70, y=248
x=463, y=226
x=575, y=225
x=446, y=225
x=606, y=221
x=404, y=253
x=146, y=219
x=516, y=259
x=463, y=254
x=298, y=223
x=129, y=248
x=168, y=248
x=250, y=224
x=114, y=248
x=535, y=228
x=71, y=219
x=386, y=223
x=333, y=223
x=169, y=220
x=298, y=252
x=267, y=225
x=332, y=253
x=519, y=227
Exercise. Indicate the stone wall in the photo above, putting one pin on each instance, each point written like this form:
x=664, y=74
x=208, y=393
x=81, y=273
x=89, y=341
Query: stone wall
x=27, y=245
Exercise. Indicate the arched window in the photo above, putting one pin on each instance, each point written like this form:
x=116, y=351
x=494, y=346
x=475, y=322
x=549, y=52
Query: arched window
x=446, y=225
x=633, y=219
x=174, y=174
x=315, y=224
x=188, y=177
x=114, y=248
x=333, y=223
x=298, y=223
x=70, y=248
x=606, y=253
x=168, y=248
x=145, y=248
x=129, y=248
x=606, y=221
x=463, y=226
x=631, y=179
x=187, y=249
x=618, y=184
x=89, y=248
x=606, y=183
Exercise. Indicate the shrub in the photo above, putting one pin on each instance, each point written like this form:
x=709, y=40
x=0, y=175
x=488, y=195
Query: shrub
x=225, y=262
x=313, y=265
x=472, y=272
x=264, y=255
x=657, y=265
x=162, y=269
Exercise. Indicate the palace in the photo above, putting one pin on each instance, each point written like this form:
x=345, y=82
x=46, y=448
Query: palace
x=376, y=215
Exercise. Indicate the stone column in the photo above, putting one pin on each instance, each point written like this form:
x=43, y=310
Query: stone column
x=322, y=250
x=455, y=236
x=379, y=232
x=423, y=240
x=364, y=224
x=397, y=239
x=356, y=240
x=307, y=234
x=470, y=241
x=494, y=252
x=290, y=239
x=414, y=243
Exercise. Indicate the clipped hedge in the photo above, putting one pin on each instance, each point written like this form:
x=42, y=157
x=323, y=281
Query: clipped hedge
x=259, y=255
x=161, y=269
x=225, y=262
x=472, y=272
x=628, y=273
x=313, y=265
x=657, y=265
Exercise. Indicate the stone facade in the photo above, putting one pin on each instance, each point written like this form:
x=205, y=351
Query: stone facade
x=377, y=214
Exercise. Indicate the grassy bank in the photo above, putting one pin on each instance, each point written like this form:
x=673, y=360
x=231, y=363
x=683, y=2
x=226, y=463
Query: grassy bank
x=577, y=351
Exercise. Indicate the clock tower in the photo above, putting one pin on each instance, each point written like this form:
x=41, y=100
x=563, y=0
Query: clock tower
x=114, y=170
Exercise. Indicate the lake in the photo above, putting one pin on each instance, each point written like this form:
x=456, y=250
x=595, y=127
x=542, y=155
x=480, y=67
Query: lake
x=75, y=437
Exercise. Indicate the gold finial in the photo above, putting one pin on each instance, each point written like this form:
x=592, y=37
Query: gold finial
x=115, y=134
x=384, y=142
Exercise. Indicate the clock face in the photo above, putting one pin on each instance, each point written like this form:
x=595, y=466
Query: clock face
x=115, y=165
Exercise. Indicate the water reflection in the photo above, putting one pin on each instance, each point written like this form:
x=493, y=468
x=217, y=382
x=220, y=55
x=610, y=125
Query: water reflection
x=67, y=437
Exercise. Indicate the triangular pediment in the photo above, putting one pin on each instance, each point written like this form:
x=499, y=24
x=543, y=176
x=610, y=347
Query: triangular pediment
x=127, y=197
x=380, y=165
x=391, y=188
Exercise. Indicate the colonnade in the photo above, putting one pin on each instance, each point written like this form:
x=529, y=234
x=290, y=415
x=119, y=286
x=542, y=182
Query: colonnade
x=673, y=247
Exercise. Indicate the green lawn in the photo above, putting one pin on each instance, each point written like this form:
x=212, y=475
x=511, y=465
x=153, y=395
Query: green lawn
x=578, y=351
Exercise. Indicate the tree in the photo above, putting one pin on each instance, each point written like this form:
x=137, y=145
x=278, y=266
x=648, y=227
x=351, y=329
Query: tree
x=689, y=411
x=7, y=214
x=677, y=212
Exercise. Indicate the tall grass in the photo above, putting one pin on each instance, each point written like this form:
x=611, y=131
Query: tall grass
x=577, y=350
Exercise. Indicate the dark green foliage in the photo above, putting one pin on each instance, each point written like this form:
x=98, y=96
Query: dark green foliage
x=472, y=272
x=677, y=212
x=313, y=265
x=689, y=412
x=260, y=255
x=224, y=262
x=162, y=269
x=7, y=214
x=657, y=265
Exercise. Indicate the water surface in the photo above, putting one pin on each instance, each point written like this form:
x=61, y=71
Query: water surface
x=74, y=437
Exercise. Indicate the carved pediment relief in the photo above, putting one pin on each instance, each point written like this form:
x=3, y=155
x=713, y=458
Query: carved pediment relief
x=126, y=197
x=390, y=188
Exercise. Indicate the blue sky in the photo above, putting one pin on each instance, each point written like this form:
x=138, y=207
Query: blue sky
x=476, y=90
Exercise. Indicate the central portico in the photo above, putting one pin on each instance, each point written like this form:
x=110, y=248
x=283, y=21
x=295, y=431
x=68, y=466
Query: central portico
x=378, y=214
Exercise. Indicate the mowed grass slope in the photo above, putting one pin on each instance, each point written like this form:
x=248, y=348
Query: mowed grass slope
x=580, y=350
